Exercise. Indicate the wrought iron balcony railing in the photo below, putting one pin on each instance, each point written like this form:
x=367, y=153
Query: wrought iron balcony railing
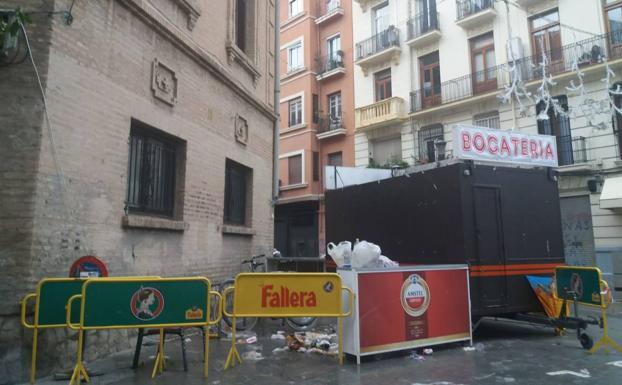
x=327, y=7
x=329, y=123
x=329, y=62
x=560, y=60
x=381, y=41
x=422, y=24
x=571, y=150
x=466, y=8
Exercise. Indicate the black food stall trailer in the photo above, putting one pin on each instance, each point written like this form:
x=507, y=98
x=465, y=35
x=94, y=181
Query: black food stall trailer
x=504, y=222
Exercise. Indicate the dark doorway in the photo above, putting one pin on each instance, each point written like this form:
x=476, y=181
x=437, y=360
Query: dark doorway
x=296, y=230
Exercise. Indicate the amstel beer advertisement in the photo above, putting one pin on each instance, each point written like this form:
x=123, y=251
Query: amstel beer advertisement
x=417, y=308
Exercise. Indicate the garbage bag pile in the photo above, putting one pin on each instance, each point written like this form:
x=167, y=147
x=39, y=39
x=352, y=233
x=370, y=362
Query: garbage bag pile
x=309, y=342
x=363, y=255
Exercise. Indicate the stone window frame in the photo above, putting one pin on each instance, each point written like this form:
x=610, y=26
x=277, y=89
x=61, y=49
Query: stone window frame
x=247, y=60
x=232, y=167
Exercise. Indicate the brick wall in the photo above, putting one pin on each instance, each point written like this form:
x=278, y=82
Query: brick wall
x=98, y=77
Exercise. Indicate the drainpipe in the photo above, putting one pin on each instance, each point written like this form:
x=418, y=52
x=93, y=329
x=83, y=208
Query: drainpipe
x=277, y=93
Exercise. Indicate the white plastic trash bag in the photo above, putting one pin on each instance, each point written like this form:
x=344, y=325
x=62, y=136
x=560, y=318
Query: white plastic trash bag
x=339, y=253
x=384, y=262
x=365, y=254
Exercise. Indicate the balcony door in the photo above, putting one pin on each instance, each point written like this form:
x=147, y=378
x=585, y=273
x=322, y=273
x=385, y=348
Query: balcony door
x=483, y=63
x=380, y=16
x=613, y=13
x=426, y=14
x=382, y=84
x=546, y=40
x=430, y=78
x=557, y=125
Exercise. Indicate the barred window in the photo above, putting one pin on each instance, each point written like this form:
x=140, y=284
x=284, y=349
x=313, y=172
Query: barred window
x=238, y=180
x=152, y=169
x=488, y=119
x=427, y=136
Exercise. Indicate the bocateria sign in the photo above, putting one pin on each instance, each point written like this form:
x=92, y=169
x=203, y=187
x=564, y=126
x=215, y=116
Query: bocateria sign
x=477, y=143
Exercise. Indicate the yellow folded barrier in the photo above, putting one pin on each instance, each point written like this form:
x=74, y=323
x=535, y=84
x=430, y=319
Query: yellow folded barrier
x=286, y=295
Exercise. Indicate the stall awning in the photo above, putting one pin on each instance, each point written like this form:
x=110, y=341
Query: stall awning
x=611, y=196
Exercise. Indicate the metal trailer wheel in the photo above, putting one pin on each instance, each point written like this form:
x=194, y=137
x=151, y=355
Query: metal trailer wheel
x=301, y=324
x=586, y=341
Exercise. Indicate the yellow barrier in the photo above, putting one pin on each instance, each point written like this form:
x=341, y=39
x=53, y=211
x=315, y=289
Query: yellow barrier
x=104, y=306
x=286, y=295
x=50, y=302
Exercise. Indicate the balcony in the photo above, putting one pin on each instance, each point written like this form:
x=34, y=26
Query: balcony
x=527, y=3
x=423, y=30
x=380, y=48
x=572, y=154
x=330, y=126
x=329, y=66
x=472, y=13
x=483, y=84
x=328, y=10
x=379, y=114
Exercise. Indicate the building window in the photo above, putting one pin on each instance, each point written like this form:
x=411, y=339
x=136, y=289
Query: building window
x=238, y=182
x=335, y=159
x=295, y=111
x=295, y=59
x=386, y=151
x=294, y=7
x=546, y=39
x=245, y=25
x=316, y=109
x=294, y=170
x=333, y=48
x=483, y=63
x=334, y=106
x=380, y=17
x=427, y=136
x=382, y=84
x=613, y=11
x=558, y=125
x=430, y=78
x=489, y=119
x=617, y=122
x=316, y=166
x=154, y=160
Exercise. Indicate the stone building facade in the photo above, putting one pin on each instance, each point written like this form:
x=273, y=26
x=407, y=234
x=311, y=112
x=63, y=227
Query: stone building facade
x=157, y=156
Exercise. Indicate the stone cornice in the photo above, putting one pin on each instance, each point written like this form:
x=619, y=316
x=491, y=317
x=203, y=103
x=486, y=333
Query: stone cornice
x=151, y=16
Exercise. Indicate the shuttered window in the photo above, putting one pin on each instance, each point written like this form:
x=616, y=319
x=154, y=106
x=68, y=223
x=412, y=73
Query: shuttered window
x=237, y=189
x=294, y=169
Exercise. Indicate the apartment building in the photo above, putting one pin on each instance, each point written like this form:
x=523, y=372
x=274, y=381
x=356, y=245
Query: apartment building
x=157, y=155
x=422, y=66
x=317, y=116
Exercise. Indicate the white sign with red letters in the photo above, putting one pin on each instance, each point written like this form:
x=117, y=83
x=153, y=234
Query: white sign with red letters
x=479, y=143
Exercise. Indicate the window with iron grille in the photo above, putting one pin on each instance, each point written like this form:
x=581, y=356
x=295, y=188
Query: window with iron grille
x=238, y=181
x=558, y=125
x=427, y=136
x=152, y=171
x=295, y=111
x=489, y=119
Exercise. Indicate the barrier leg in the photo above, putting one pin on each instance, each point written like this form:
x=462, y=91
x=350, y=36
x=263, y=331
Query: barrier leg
x=79, y=371
x=341, y=341
x=233, y=353
x=205, y=350
x=158, y=365
x=33, y=367
x=605, y=341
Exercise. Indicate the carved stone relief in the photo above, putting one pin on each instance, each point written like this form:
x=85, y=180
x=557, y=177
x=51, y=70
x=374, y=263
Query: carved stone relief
x=164, y=83
x=241, y=130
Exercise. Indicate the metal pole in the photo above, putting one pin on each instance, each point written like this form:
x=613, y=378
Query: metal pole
x=277, y=93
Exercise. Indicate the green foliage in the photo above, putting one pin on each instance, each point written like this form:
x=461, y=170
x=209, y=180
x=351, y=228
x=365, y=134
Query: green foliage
x=394, y=161
x=10, y=26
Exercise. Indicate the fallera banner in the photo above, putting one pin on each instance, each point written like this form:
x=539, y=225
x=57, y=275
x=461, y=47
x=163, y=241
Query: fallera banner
x=479, y=143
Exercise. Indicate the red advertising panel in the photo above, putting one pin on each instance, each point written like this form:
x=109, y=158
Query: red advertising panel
x=415, y=308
